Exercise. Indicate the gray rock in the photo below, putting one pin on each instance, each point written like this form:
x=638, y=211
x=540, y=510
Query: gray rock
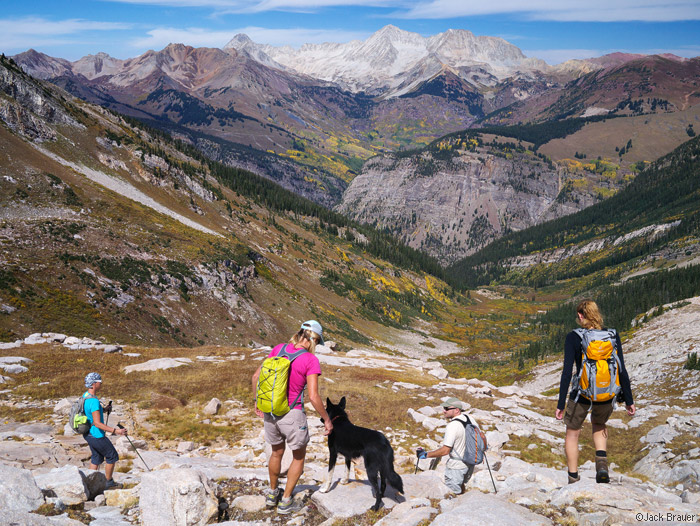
x=407, y=514
x=185, y=447
x=34, y=339
x=13, y=368
x=67, y=483
x=107, y=349
x=18, y=489
x=157, y=364
x=63, y=406
x=599, y=518
x=23, y=518
x=428, y=484
x=108, y=516
x=249, y=503
x=54, y=337
x=496, y=439
x=475, y=507
x=177, y=497
x=662, y=434
x=212, y=407
x=95, y=481
x=354, y=498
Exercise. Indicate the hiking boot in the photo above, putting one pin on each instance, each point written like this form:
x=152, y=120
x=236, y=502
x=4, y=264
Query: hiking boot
x=287, y=506
x=112, y=485
x=574, y=479
x=272, y=497
x=601, y=470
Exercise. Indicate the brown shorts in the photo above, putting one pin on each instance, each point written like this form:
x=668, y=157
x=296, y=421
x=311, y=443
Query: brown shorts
x=291, y=428
x=576, y=413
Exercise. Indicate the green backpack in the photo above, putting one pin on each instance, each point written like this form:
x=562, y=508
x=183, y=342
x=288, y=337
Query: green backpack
x=273, y=383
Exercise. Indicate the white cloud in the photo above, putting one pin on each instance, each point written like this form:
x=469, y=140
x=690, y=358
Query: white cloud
x=563, y=10
x=23, y=33
x=201, y=37
x=259, y=6
x=196, y=37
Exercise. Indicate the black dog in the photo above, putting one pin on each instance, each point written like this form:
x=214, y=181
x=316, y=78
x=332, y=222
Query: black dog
x=353, y=442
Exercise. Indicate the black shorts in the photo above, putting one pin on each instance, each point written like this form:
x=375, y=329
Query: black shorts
x=102, y=450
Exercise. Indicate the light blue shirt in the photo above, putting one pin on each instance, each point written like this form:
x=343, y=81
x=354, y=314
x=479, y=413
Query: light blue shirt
x=93, y=404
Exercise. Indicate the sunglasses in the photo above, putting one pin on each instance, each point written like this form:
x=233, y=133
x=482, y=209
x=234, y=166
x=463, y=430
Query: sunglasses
x=448, y=408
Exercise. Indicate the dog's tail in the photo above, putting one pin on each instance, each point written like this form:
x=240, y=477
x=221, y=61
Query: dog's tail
x=395, y=480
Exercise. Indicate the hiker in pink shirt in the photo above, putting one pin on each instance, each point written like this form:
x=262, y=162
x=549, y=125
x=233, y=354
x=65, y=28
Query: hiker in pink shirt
x=292, y=428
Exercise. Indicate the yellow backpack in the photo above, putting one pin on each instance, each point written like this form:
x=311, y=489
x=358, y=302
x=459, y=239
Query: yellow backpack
x=599, y=378
x=271, y=394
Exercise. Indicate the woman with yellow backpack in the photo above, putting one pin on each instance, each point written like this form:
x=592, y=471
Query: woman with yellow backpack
x=600, y=378
x=279, y=385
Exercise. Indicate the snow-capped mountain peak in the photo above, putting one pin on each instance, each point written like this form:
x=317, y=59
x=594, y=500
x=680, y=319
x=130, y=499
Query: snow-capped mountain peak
x=380, y=63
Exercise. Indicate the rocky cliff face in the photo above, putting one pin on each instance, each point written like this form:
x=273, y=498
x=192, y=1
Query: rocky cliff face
x=452, y=208
x=27, y=107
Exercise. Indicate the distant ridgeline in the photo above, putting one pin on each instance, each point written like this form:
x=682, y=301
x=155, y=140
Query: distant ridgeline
x=666, y=191
x=278, y=199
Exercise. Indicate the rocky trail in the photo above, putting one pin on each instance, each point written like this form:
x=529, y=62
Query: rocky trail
x=44, y=468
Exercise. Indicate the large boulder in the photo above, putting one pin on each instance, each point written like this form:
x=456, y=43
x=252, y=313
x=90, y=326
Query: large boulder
x=95, y=482
x=177, y=497
x=157, y=364
x=66, y=483
x=354, y=498
x=18, y=489
x=475, y=507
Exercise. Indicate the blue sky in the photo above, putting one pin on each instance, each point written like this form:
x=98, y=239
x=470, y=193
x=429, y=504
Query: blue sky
x=553, y=30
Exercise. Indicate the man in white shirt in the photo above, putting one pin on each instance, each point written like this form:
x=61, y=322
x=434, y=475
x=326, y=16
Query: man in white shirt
x=457, y=473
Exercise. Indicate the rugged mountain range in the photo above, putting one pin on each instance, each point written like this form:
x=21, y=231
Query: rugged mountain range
x=310, y=118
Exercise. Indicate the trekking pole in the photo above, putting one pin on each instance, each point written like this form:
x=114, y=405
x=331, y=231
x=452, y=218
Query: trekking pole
x=108, y=410
x=132, y=445
x=487, y=465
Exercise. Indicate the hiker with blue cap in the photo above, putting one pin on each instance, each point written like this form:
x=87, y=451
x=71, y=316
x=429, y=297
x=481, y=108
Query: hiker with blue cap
x=283, y=413
x=101, y=447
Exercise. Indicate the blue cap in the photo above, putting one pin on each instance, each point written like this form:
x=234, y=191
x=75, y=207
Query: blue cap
x=91, y=378
x=315, y=326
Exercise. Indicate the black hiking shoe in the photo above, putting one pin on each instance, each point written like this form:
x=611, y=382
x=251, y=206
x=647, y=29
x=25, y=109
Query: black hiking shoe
x=112, y=485
x=601, y=470
x=288, y=506
x=572, y=480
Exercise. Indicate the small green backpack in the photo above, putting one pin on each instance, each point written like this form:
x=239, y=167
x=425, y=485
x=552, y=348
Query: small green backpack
x=273, y=383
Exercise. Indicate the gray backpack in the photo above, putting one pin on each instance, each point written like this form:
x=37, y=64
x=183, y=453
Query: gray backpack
x=77, y=419
x=475, y=445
